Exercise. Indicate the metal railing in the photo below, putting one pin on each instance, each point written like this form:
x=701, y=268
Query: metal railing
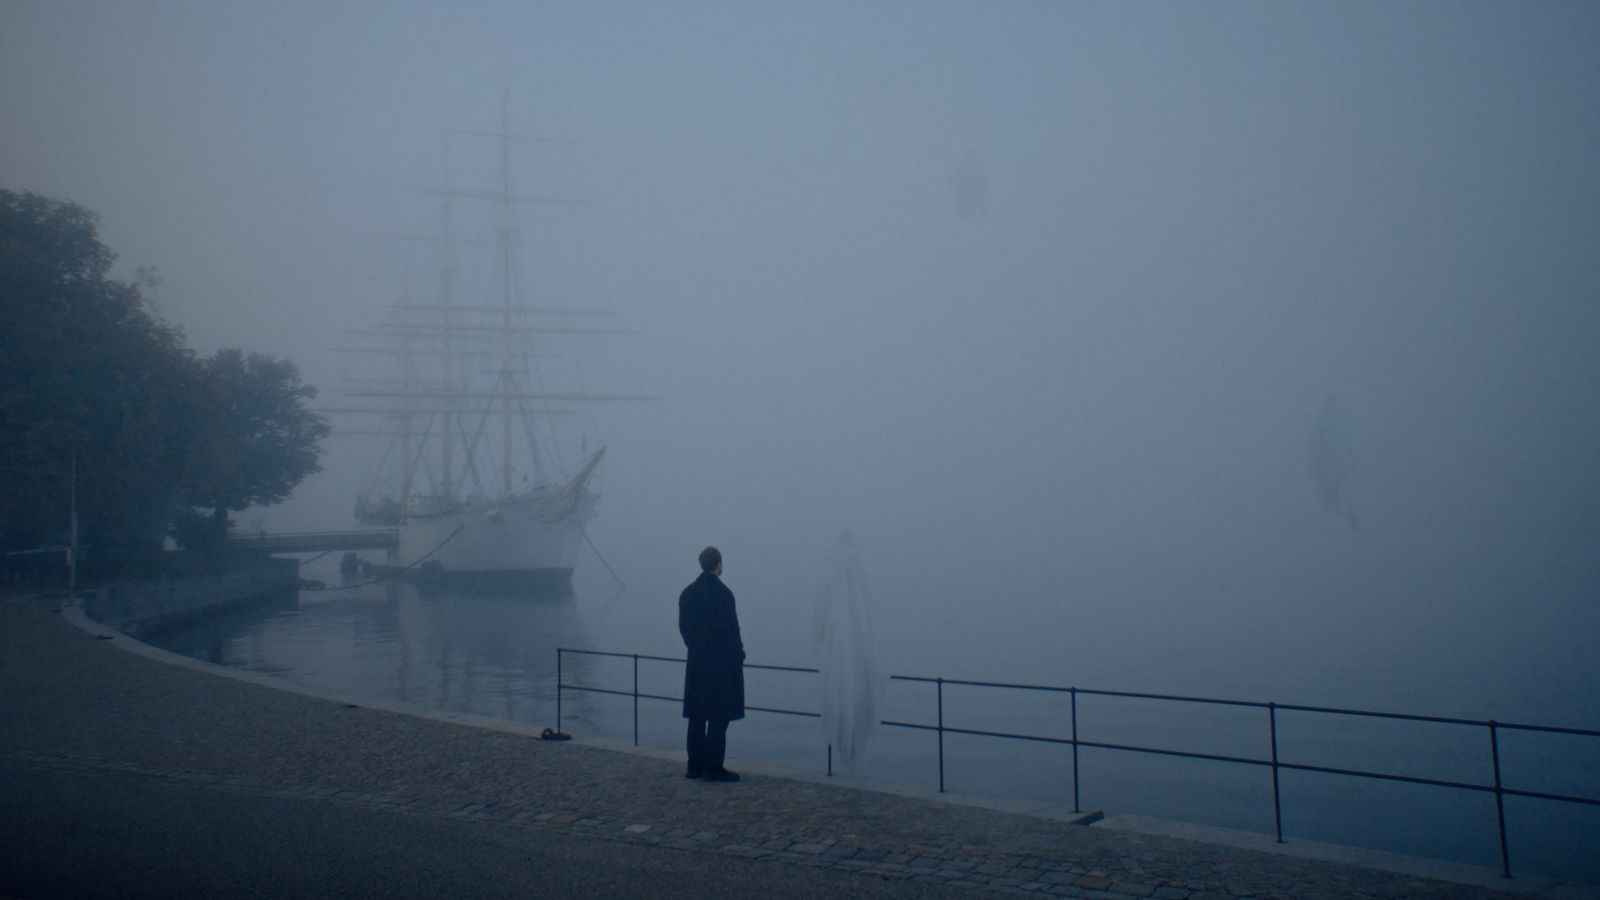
x=1075, y=740
x=561, y=685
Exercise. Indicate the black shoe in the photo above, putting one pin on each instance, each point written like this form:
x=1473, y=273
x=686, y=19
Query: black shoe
x=721, y=775
x=694, y=773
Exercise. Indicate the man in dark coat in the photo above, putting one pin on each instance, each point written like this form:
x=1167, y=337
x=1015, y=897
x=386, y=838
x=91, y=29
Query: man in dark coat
x=713, y=681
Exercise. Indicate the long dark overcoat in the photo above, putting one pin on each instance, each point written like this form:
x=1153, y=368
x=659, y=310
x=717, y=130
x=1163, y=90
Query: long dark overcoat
x=713, y=681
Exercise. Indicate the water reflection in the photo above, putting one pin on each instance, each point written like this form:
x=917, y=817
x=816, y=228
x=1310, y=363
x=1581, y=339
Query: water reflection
x=208, y=638
x=465, y=650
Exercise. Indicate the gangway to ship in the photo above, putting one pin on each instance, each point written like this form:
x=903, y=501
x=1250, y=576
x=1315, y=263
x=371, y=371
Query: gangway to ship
x=315, y=541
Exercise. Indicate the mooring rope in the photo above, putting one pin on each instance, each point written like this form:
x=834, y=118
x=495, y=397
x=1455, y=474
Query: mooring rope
x=598, y=556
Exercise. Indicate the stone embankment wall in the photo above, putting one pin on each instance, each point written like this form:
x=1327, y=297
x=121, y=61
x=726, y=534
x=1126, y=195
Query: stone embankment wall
x=141, y=607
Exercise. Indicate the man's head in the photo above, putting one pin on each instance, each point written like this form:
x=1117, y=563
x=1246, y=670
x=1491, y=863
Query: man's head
x=711, y=560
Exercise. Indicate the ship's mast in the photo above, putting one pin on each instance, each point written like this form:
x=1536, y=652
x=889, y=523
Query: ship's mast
x=408, y=378
x=449, y=363
x=505, y=273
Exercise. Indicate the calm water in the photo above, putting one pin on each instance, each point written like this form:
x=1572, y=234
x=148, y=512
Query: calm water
x=495, y=655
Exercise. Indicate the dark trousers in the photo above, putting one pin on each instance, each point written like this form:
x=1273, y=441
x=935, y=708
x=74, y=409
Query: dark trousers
x=708, y=744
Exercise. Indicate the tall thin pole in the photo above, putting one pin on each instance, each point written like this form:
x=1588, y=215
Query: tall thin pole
x=1277, y=805
x=940, y=685
x=447, y=433
x=72, y=535
x=408, y=378
x=1499, y=798
x=505, y=280
x=1074, y=693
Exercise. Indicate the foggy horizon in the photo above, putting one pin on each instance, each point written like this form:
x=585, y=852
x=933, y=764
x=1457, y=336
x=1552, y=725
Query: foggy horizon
x=1044, y=302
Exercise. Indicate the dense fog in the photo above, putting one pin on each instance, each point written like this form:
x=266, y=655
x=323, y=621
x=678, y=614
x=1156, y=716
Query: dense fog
x=1141, y=345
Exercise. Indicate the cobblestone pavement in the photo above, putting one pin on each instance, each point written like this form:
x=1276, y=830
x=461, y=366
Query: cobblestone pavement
x=72, y=703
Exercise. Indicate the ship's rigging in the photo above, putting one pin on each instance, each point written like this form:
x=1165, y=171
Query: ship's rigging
x=464, y=399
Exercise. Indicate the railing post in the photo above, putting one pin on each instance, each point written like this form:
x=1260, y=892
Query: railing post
x=558, y=690
x=940, y=684
x=636, y=699
x=1277, y=808
x=1074, y=692
x=1499, y=798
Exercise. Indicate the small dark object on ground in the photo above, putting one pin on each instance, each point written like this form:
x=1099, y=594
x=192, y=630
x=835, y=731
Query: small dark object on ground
x=550, y=734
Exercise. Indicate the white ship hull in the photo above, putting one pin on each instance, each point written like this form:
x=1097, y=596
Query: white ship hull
x=530, y=539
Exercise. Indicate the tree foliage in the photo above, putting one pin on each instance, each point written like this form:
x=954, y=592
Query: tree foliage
x=257, y=440
x=88, y=374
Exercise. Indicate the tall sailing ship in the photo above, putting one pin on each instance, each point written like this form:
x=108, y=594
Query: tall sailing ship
x=471, y=477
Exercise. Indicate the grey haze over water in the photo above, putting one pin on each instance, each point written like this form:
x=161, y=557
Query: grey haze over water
x=1041, y=301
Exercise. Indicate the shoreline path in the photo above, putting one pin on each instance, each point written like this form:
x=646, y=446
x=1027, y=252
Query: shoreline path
x=122, y=775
